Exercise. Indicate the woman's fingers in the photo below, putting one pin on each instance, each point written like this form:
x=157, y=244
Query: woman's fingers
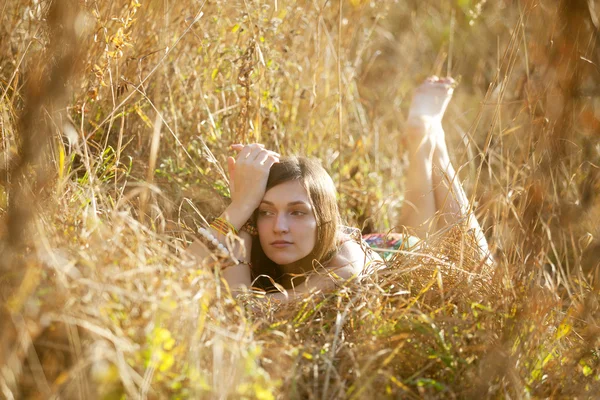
x=267, y=158
x=244, y=151
x=261, y=155
x=254, y=152
x=270, y=161
x=249, y=172
x=247, y=152
x=231, y=170
x=231, y=166
x=240, y=147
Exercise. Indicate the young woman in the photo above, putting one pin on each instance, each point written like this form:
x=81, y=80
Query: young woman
x=295, y=238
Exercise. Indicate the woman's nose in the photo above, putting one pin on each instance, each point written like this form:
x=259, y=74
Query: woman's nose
x=281, y=223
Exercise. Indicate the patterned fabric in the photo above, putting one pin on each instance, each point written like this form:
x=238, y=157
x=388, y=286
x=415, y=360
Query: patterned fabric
x=390, y=241
x=380, y=242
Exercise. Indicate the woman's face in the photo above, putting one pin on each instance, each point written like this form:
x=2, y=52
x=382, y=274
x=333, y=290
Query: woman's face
x=287, y=227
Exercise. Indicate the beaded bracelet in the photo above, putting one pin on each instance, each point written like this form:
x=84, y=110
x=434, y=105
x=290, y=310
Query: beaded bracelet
x=205, y=233
x=223, y=226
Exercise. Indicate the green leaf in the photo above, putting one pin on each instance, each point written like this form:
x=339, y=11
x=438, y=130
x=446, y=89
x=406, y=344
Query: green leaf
x=563, y=330
x=426, y=382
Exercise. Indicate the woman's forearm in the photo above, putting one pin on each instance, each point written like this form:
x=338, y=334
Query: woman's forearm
x=237, y=276
x=236, y=215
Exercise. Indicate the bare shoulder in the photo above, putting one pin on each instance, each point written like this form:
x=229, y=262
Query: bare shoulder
x=350, y=262
x=351, y=259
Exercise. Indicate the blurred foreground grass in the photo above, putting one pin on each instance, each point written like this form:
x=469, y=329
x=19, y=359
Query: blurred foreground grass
x=116, y=117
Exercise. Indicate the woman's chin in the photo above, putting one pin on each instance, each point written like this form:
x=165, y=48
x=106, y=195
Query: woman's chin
x=283, y=259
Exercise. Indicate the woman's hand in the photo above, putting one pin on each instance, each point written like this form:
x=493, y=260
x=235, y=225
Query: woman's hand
x=248, y=173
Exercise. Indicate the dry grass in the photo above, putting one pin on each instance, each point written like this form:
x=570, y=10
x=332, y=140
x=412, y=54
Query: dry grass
x=116, y=117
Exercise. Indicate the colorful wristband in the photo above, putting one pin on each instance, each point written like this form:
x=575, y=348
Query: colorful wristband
x=223, y=226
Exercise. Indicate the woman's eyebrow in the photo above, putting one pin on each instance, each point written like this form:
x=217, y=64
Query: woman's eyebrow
x=292, y=203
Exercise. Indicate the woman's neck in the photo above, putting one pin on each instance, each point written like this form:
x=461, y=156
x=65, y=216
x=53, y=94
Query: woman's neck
x=295, y=273
x=295, y=268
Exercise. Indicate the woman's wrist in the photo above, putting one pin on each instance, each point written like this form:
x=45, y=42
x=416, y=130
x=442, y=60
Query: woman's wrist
x=236, y=251
x=230, y=222
x=237, y=213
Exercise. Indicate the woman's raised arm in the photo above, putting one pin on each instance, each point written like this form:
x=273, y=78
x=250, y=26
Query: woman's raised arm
x=248, y=174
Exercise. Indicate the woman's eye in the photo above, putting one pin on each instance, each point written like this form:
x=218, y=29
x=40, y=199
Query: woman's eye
x=298, y=213
x=264, y=213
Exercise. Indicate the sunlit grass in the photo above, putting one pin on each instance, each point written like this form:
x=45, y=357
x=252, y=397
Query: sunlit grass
x=110, y=165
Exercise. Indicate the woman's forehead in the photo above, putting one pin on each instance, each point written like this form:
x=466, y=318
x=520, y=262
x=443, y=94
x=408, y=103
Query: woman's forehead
x=287, y=192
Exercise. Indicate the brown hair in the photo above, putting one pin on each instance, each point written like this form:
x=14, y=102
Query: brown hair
x=323, y=197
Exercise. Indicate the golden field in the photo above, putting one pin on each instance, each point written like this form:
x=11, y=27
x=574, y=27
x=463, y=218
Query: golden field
x=116, y=119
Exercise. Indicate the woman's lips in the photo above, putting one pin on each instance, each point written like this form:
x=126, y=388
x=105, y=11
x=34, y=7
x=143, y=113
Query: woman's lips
x=280, y=244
